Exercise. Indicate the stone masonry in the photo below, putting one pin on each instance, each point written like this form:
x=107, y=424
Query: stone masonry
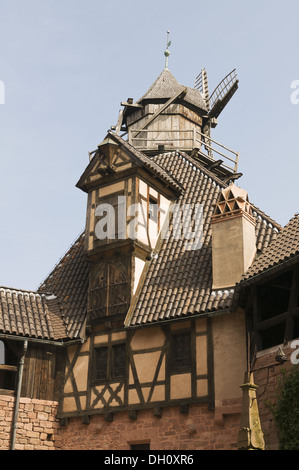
x=37, y=425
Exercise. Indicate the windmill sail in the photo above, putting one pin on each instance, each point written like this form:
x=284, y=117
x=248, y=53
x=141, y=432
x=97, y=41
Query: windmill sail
x=223, y=93
x=201, y=84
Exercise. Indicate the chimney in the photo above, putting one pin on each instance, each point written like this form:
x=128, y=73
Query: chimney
x=233, y=237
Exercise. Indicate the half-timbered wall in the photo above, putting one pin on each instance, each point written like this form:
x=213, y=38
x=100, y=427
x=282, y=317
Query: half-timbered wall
x=134, y=211
x=142, y=223
x=157, y=370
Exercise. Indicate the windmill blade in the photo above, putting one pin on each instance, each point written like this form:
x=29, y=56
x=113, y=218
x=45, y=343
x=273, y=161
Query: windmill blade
x=223, y=93
x=201, y=84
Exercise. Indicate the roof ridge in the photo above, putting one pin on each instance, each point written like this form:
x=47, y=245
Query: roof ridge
x=266, y=217
x=25, y=291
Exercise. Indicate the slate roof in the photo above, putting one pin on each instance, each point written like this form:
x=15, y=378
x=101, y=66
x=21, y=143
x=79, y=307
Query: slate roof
x=166, y=86
x=284, y=249
x=178, y=282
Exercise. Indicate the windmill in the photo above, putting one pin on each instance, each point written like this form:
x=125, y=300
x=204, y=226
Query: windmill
x=217, y=101
x=222, y=94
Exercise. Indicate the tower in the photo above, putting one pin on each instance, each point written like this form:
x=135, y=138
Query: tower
x=128, y=199
x=129, y=194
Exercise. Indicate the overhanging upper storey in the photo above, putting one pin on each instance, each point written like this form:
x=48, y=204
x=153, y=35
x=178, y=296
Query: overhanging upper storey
x=121, y=181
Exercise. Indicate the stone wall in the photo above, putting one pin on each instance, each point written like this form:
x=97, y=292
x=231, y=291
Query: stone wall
x=197, y=430
x=37, y=426
x=267, y=373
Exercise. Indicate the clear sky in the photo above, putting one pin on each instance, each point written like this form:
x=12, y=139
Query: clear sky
x=67, y=64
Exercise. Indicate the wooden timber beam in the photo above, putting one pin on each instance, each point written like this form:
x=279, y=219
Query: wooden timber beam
x=178, y=95
x=120, y=121
x=216, y=164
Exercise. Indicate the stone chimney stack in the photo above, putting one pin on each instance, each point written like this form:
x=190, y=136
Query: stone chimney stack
x=233, y=237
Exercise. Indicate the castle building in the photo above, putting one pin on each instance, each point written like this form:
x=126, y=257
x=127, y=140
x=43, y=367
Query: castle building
x=177, y=288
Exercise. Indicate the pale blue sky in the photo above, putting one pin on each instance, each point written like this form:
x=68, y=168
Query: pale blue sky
x=68, y=64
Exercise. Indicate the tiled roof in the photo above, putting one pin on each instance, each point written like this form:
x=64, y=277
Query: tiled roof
x=57, y=310
x=69, y=283
x=285, y=248
x=29, y=314
x=177, y=282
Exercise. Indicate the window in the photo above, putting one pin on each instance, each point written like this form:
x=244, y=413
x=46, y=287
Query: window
x=118, y=361
x=144, y=446
x=110, y=362
x=153, y=209
x=109, y=292
x=8, y=366
x=181, y=352
x=101, y=362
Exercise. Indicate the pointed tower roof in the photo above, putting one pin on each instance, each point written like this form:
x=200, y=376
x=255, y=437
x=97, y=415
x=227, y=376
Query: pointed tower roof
x=166, y=86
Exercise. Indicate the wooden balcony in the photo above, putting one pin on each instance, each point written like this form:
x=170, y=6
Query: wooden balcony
x=187, y=140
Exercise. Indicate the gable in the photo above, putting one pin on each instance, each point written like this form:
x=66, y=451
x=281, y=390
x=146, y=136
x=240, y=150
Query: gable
x=114, y=158
x=103, y=164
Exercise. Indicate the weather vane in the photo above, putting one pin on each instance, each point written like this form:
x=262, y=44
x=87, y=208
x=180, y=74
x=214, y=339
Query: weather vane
x=167, y=53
